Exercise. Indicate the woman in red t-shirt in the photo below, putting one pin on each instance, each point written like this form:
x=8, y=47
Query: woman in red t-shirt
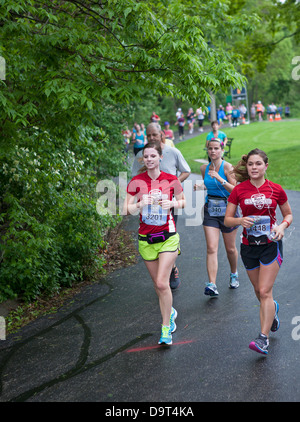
x=158, y=240
x=261, y=244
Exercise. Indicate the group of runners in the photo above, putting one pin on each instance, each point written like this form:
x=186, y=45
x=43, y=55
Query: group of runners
x=236, y=196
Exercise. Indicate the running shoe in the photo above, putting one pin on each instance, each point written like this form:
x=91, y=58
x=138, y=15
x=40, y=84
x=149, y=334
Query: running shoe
x=166, y=336
x=260, y=345
x=172, y=320
x=276, y=322
x=174, y=279
x=211, y=290
x=234, y=281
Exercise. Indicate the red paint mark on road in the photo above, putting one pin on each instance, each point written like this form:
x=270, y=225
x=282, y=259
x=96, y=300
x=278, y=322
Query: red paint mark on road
x=158, y=346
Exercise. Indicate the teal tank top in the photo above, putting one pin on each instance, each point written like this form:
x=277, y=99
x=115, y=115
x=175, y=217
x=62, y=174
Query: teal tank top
x=214, y=188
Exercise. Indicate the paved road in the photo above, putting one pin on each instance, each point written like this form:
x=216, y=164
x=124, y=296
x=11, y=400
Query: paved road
x=102, y=346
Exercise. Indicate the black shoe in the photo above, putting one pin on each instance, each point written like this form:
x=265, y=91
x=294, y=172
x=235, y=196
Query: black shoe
x=174, y=279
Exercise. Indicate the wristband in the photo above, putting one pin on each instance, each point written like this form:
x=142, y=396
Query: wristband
x=285, y=221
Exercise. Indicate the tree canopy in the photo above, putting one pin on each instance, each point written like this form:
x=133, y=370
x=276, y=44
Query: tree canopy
x=65, y=58
x=72, y=68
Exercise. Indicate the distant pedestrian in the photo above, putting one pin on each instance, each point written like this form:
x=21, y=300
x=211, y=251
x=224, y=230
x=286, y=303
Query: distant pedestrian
x=178, y=113
x=221, y=115
x=191, y=119
x=154, y=118
x=169, y=135
x=261, y=247
x=180, y=122
x=259, y=110
x=229, y=109
x=216, y=133
x=139, y=140
x=143, y=130
x=287, y=111
x=273, y=110
x=235, y=116
x=126, y=139
x=253, y=112
x=200, y=116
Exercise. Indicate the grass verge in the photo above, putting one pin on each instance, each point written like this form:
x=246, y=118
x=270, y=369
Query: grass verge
x=280, y=140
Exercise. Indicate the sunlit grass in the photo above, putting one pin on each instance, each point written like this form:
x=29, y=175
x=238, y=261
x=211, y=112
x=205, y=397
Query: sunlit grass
x=280, y=140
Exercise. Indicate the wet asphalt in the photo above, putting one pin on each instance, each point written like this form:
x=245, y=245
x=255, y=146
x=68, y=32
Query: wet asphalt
x=102, y=346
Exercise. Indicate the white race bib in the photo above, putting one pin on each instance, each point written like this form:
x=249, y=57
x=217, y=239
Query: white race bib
x=261, y=226
x=216, y=207
x=154, y=214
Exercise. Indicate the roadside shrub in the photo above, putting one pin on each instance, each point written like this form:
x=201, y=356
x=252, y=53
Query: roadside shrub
x=50, y=230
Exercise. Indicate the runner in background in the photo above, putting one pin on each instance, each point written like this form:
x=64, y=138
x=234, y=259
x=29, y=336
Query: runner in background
x=169, y=135
x=190, y=119
x=216, y=133
x=229, y=112
x=180, y=122
x=200, y=116
x=259, y=111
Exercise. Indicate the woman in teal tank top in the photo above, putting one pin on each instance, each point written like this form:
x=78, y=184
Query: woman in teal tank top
x=219, y=181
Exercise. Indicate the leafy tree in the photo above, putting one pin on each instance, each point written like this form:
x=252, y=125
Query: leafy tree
x=71, y=68
x=64, y=57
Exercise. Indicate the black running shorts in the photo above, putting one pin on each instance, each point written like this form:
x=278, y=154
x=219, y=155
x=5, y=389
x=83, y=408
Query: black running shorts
x=253, y=256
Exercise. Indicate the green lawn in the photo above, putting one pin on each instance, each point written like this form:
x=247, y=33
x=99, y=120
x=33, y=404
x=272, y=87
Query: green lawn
x=280, y=140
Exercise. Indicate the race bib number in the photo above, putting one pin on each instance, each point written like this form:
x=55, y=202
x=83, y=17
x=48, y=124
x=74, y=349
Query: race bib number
x=216, y=207
x=154, y=214
x=261, y=226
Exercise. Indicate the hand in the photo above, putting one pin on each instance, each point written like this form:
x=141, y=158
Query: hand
x=146, y=200
x=279, y=232
x=166, y=204
x=214, y=174
x=247, y=222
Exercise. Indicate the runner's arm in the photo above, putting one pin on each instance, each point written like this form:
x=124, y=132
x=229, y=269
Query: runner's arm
x=286, y=222
x=231, y=221
x=178, y=203
x=132, y=207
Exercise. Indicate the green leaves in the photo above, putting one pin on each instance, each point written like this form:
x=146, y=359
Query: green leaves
x=114, y=50
x=72, y=68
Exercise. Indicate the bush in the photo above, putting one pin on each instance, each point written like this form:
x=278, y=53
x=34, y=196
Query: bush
x=50, y=230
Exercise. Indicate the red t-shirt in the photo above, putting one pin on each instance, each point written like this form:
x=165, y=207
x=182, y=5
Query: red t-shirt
x=258, y=202
x=153, y=218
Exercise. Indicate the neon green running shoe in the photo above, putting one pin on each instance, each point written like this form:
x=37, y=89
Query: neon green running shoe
x=166, y=335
